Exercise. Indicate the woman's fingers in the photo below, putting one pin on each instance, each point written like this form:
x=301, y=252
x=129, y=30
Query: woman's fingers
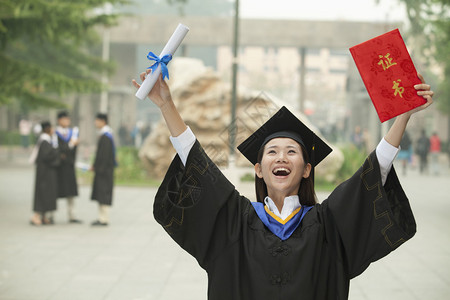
x=425, y=93
x=142, y=76
x=424, y=90
x=422, y=86
x=421, y=77
x=136, y=85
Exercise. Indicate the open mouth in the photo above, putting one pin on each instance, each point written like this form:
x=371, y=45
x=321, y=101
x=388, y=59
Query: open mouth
x=281, y=172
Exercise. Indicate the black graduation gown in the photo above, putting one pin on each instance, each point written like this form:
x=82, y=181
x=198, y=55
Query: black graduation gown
x=359, y=223
x=45, y=188
x=102, y=189
x=67, y=180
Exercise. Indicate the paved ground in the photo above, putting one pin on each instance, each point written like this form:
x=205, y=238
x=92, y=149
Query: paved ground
x=134, y=259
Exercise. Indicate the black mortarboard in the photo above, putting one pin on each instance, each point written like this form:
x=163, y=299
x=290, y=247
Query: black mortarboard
x=63, y=114
x=284, y=124
x=102, y=116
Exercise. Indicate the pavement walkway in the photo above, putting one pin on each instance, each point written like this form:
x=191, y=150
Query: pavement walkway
x=135, y=259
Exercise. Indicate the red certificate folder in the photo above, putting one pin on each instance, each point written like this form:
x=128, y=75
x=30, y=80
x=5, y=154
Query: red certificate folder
x=388, y=74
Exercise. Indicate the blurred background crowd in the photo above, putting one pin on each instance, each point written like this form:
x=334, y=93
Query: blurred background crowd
x=81, y=57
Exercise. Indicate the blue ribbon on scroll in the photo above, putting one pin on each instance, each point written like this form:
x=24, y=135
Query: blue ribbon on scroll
x=160, y=61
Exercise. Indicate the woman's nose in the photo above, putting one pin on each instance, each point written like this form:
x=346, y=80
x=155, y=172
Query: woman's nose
x=281, y=156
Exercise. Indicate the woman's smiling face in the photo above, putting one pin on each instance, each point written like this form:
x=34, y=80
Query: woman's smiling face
x=282, y=167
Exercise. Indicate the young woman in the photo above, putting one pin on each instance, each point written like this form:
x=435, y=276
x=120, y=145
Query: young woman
x=285, y=246
x=47, y=158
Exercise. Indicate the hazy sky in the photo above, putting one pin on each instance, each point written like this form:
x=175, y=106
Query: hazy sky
x=357, y=10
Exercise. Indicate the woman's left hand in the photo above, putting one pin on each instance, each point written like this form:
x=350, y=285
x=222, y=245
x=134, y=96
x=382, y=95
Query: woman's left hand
x=395, y=133
x=425, y=91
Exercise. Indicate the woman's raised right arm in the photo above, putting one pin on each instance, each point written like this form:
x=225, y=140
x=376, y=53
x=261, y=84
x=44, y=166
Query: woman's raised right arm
x=160, y=95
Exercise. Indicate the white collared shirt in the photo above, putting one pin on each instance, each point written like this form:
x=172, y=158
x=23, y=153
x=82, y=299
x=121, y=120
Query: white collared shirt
x=106, y=129
x=291, y=203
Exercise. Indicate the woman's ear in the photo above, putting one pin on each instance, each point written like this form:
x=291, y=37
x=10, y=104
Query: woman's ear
x=307, y=170
x=258, y=170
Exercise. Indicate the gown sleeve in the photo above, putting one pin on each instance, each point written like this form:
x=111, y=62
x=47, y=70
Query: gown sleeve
x=49, y=155
x=199, y=208
x=366, y=219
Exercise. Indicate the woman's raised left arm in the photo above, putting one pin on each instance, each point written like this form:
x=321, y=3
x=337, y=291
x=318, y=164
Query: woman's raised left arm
x=395, y=133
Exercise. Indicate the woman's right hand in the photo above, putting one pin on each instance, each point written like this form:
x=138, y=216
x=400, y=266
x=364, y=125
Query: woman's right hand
x=160, y=93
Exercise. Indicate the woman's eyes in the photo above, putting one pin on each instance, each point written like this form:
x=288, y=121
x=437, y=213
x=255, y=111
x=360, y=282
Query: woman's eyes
x=274, y=152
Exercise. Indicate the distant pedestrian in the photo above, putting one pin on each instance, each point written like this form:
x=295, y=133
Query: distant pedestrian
x=124, y=135
x=136, y=134
x=357, y=138
x=435, y=149
x=105, y=161
x=405, y=151
x=46, y=157
x=67, y=181
x=25, y=130
x=422, y=149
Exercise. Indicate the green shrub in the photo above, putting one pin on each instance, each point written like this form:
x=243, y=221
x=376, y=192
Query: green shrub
x=353, y=160
x=248, y=177
x=9, y=138
x=129, y=171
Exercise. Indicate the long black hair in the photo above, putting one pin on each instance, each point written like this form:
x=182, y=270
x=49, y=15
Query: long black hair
x=306, y=193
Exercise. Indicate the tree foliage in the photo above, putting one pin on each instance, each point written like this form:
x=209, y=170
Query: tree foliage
x=430, y=27
x=46, y=49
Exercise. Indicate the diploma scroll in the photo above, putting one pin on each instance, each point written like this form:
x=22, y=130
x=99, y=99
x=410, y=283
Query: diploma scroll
x=170, y=48
x=75, y=133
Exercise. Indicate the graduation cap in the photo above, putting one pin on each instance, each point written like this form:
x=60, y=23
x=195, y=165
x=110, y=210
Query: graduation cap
x=284, y=124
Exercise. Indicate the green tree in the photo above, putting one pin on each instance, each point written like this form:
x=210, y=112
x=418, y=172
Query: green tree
x=430, y=30
x=46, y=49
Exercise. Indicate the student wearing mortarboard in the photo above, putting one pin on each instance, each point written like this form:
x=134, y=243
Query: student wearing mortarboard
x=286, y=245
x=104, y=164
x=46, y=157
x=67, y=181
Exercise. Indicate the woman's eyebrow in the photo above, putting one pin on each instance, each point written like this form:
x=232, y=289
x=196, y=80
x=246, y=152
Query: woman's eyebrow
x=288, y=146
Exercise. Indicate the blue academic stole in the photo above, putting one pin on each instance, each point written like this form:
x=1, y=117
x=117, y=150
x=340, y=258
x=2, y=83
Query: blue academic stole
x=281, y=228
x=67, y=138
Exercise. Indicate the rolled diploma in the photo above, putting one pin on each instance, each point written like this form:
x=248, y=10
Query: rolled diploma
x=74, y=138
x=170, y=48
x=75, y=133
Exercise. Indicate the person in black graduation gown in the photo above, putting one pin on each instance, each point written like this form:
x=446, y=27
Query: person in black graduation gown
x=46, y=157
x=285, y=246
x=104, y=164
x=67, y=180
